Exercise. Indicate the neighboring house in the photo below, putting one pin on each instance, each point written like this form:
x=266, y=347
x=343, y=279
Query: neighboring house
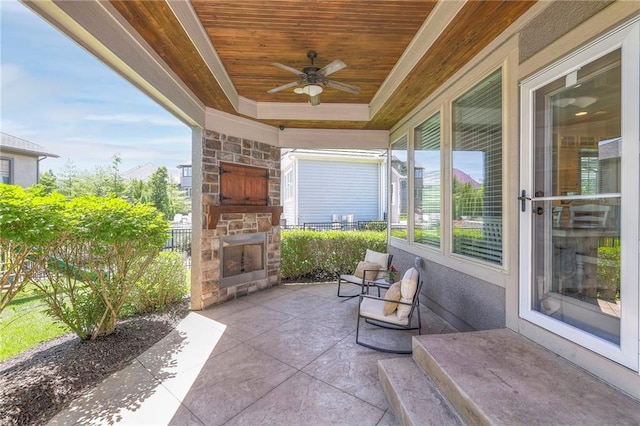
x=186, y=184
x=332, y=185
x=20, y=160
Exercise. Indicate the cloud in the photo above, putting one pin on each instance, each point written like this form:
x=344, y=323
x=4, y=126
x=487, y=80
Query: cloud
x=155, y=120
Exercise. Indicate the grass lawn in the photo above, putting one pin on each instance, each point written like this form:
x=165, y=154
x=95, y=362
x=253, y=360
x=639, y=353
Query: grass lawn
x=24, y=324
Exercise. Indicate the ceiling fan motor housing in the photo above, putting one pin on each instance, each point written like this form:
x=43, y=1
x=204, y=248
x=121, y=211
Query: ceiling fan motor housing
x=312, y=74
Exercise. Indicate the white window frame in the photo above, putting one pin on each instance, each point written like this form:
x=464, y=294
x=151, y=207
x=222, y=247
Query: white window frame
x=10, y=161
x=288, y=184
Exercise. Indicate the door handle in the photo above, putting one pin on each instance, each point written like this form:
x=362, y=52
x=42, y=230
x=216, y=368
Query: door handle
x=523, y=200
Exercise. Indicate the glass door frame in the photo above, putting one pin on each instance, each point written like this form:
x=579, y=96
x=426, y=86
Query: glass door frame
x=626, y=38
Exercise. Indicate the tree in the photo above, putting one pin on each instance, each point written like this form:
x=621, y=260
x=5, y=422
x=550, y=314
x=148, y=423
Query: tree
x=48, y=181
x=118, y=187
x=106, y=181
x=178, y=201
x=137, y=192
x=467, y=201
x=102, y=182
x=159, y=193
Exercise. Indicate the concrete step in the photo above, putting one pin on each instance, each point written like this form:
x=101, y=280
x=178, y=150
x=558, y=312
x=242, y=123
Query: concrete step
x=498, y=377
x=413, y=397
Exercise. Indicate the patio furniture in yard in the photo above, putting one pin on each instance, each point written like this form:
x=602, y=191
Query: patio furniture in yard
x=394, y=311
x=374, y=266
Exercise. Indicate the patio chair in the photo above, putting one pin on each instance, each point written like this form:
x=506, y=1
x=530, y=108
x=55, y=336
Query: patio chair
x=374, y=266
x=395, y=310
x=588, y=215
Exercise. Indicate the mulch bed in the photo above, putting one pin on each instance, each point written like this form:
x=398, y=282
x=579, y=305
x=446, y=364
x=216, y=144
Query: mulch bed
x=38, y=383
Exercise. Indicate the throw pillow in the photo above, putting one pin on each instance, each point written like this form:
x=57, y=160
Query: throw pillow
x=381, y=259
x=370, y=268
x=408, y=287
x=393, y=293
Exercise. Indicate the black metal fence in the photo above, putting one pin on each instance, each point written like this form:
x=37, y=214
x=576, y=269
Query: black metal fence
x=180, y=241
x=362, y=225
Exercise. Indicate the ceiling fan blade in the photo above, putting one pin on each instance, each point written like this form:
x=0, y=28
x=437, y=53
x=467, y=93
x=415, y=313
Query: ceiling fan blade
x=314, y=100
x=285, y=86
x=288, y=68
x=334, y=66
x=342, y=86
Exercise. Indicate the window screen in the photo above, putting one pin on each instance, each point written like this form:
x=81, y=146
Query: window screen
x=477, y=171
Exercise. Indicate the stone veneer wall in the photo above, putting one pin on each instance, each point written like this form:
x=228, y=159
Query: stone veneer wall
x=218, y=148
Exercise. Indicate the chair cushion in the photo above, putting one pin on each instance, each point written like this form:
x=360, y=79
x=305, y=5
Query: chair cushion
x=393, y=293
x=374, y=309
x=367, y=268
x=381, y=259
x=351, y=278
x=408, y=287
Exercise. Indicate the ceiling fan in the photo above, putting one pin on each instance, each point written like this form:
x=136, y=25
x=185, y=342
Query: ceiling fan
x=312, y=77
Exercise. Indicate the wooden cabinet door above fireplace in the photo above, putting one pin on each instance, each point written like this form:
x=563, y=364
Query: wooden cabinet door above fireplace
x=243, y=185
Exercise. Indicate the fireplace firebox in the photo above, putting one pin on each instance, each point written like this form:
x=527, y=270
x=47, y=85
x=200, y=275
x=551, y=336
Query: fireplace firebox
x=243, y=259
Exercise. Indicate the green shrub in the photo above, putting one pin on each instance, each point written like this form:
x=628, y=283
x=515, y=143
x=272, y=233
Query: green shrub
x=162, y=284
x=27, y=219
x=94, y=251
x=399, y=233
x=312, y=255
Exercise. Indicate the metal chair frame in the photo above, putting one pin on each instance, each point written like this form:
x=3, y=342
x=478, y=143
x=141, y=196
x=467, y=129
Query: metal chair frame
x=415, y=307
x=362, y=282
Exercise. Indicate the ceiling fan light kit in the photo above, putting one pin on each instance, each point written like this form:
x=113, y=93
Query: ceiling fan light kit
x=312, y=77
x=310, y=89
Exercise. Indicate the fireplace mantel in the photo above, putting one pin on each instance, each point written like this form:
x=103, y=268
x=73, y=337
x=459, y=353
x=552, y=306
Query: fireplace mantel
x=213, y=213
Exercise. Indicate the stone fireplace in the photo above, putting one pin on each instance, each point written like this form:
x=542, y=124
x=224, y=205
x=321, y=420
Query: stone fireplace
x=240, y=243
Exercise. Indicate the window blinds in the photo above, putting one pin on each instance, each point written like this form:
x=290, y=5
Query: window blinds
x=477, y=171
x=427, y=182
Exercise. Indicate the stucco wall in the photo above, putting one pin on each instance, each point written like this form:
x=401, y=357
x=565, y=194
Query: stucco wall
x=466, y=302
x=555, y=21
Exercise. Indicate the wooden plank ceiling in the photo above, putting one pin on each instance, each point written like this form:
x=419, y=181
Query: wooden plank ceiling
x=369, y=36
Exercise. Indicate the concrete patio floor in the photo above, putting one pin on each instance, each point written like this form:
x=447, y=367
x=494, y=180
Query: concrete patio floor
x=281, y=356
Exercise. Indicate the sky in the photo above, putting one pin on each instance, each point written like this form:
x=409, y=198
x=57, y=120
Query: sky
x=56, y=94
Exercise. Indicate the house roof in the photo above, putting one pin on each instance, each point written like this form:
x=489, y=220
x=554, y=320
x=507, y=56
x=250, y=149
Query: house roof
x=144, y=171
x=14, y=144
x=189, y=55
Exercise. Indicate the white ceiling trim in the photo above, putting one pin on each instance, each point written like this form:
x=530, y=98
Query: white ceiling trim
x=186, y=15
x=100, y=29
x=295, y=111
x=244, y=128
x=232, y=125
x=437, y=21
x=334, y=138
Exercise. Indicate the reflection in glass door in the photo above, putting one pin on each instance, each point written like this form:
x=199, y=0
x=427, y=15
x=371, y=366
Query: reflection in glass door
x=576, y=199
